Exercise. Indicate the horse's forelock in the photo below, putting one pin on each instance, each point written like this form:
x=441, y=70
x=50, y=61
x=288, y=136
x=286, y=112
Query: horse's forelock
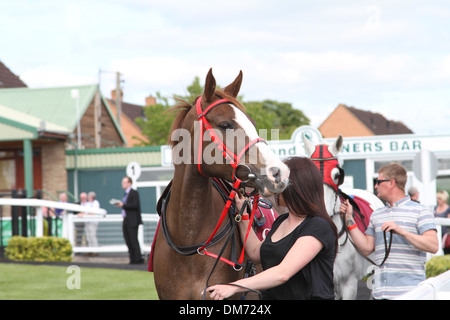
x=223, y=95
x=183, y=107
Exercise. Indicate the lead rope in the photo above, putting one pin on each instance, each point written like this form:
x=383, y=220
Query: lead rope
x=220, y=258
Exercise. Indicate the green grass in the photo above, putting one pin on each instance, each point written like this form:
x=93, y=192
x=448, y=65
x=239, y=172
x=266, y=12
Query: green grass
x=30, y=282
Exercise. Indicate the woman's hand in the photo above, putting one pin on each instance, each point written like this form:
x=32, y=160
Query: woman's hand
x=221, y=291
x=239, y=200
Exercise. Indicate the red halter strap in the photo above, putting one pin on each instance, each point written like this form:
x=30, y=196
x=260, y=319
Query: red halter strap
x=205, y=126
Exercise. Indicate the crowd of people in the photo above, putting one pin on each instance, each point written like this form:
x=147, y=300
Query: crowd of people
x=86, y=232
x=83, y=229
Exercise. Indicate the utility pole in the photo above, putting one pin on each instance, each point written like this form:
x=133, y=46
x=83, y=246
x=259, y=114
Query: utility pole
x=118, y=99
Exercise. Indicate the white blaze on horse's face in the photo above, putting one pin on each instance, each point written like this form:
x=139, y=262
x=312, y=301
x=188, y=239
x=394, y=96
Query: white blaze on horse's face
x=275, y=174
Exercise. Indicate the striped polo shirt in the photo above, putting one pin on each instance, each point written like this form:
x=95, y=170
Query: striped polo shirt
x=404, y=269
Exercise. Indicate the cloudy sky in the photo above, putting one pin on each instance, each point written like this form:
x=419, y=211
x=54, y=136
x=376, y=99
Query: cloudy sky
x=391, y=57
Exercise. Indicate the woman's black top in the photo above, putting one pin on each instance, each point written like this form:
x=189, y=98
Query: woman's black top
x=315, y=280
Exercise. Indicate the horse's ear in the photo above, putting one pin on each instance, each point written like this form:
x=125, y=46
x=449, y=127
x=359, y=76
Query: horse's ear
x=336, y=147
x=210, y=87
x=309, y=146
x=234, y=87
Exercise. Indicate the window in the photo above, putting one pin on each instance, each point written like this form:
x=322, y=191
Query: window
x=7, y=174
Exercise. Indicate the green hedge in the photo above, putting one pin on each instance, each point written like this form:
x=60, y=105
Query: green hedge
x=437, y=265
x=38, y=249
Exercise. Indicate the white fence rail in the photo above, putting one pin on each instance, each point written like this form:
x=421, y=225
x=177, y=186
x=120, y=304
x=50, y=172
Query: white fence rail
x=109, y=233
x=444, y=222
x=435, y=288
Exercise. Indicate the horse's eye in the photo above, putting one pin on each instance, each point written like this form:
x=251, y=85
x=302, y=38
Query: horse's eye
x=226, y=125
x=335, y=175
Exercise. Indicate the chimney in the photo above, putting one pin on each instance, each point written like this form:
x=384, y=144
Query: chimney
x=113, y=95
x=150, y=101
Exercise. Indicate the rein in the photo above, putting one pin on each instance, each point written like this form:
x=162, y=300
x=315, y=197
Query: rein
x=215, y=236
x=356, y=209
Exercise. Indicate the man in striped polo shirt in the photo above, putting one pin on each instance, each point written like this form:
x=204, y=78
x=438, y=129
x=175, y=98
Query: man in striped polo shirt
x=413, y=231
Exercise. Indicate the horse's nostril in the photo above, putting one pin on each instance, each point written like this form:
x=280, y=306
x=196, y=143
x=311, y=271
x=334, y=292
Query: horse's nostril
x=276, y=174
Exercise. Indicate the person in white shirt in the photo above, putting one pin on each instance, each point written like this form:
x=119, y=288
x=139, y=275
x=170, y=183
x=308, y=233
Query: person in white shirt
x=91, y=227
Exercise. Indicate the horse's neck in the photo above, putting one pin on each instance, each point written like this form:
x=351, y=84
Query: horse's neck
x=332, y=201
x=191, y=208
x=337, y=219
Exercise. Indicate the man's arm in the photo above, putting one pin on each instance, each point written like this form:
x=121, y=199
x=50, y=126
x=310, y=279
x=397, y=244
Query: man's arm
x=428, y=241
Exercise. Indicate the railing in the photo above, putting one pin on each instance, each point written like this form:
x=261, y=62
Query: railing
x=109, y=230
x=108, y=233
x=108, y=227
x=435, y=288
x=39, y=204
x=441, y=222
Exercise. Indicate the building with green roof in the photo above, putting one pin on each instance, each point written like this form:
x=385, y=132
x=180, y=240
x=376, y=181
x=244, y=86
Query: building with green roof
x=38, y=125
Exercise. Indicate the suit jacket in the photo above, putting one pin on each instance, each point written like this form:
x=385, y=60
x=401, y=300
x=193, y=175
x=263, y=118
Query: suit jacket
x=132, y=209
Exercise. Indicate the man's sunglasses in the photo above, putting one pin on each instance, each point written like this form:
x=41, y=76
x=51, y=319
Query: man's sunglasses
x=378, y=181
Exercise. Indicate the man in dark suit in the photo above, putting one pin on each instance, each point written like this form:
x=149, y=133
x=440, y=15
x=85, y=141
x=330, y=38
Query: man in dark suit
x=131, y=212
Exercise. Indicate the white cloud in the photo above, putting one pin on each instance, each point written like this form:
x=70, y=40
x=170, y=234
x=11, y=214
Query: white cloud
x=41, y=78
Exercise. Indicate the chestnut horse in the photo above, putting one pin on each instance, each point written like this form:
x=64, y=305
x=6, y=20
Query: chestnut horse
x=213, y=142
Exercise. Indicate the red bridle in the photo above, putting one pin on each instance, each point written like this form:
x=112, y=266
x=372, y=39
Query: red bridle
x=235, y=161
x=226, y=152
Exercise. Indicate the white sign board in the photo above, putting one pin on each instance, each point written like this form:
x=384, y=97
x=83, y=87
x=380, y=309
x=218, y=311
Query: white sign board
x=133, y=170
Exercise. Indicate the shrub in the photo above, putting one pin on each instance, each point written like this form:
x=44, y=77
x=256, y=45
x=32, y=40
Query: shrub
x=437, y=265
x=38, y=249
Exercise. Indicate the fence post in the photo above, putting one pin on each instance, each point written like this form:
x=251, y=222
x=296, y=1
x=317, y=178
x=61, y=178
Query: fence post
x=2, y=249
x=68, y=228
x=39, y=222
x=141, y=237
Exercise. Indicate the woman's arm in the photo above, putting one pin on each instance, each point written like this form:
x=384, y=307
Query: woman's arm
x=301, y=253
x=253, y=244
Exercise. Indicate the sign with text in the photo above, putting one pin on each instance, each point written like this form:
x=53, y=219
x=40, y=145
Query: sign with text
x=353, y=147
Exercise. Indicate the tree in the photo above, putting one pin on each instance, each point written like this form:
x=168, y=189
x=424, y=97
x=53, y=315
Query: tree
x=156, y=126
x=270, y=114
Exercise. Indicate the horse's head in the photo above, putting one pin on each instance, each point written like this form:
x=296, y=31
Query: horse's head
x=326, y=159
x=224, y=142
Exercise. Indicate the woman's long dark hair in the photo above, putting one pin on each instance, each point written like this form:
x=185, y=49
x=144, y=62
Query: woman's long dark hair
x=305, y=195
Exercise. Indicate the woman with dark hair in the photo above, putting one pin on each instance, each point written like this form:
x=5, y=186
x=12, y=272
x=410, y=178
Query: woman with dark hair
x=298, y=253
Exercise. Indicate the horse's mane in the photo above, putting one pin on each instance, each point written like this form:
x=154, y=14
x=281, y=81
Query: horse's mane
x=183, y=107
